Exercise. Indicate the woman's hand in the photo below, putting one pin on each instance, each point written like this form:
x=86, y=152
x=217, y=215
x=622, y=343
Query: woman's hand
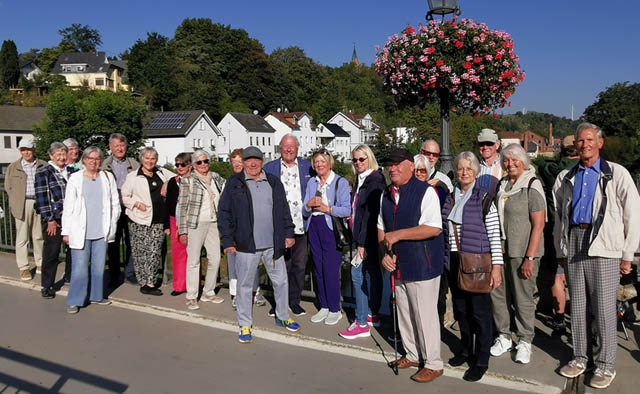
x=140, y=206
x=183, y=239
x=163, y=189
x=52, y=228
x=230, y=250
x=496, y=276
x=167, y=231
x=527, y=268
x=314, y=202
x=65, y=239
x=362, y=253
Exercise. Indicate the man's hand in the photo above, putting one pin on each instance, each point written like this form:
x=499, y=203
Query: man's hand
x=527, y=268
x=496, y=276
x=230, y=250
x=625, y=267
x=183, y=239
x=167, y=231
x=390, y=239
x=52, y=228
x=65, y=239
x=289, y=242
x=389, y=263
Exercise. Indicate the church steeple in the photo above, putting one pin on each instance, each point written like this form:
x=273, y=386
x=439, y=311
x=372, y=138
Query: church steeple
x=354, y=57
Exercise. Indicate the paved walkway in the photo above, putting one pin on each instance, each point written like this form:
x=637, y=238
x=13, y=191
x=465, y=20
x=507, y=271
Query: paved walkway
x=539, y=376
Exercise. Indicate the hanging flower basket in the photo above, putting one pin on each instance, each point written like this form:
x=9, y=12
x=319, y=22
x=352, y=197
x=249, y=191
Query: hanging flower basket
x=475, y=66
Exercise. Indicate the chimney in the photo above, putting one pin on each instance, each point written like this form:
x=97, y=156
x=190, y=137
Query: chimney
x=550, y=134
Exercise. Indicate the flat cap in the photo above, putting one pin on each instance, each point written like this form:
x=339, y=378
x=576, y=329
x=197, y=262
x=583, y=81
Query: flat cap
x=398, y=155
x=252, y=153
x=488, y=135
x=26, y=143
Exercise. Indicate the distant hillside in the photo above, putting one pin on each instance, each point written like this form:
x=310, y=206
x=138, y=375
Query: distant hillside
x=538, y=122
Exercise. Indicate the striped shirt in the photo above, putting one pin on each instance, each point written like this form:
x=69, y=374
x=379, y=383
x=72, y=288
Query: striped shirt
x=492, y=224
x=30, y=170
x=489, y=176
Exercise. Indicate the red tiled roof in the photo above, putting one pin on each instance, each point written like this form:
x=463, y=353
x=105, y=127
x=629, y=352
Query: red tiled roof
x=287, y=118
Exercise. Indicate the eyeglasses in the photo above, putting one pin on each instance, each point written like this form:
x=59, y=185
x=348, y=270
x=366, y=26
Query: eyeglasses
x=421, y=170
x=360, y=159
x=427, y=153
x=93, y=158
x=206, y=161
x=484, y=144
x=183, y=165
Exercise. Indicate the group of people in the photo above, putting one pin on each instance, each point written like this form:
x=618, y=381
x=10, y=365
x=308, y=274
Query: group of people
x=420, y=228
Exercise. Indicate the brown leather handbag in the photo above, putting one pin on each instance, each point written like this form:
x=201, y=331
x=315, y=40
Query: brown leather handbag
x=474, y=273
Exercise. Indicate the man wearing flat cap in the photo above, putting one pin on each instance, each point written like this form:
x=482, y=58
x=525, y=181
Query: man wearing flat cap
x=410, y=227
x=490, y=168
x=255, y=223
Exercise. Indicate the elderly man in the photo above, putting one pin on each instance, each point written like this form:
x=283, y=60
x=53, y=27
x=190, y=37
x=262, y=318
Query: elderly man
x=120, y=166
x=19, y=183
x=410, y=226
x=597, y=230
x=431, y=150
x=490, y=168
x=255, y=223
x=294, y=173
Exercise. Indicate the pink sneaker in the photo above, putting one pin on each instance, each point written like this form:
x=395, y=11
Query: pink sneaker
x=355, y=330
x=373, y=321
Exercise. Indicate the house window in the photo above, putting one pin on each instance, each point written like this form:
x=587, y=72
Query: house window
x=202, y=126
x=340, y=123
x=212, y=143
x=18, y=139
x=85, y=83
x=269, y=140
x=80, y=68
x=99, y=81
x=263, y=141
x=250, y=140
x=7, y=142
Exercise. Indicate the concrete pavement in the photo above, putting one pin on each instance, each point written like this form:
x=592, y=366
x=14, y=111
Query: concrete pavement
x=317, y=339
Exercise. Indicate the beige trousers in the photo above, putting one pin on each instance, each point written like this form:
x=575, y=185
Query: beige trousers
x=418, y=321
x=205, y=234
x=30, y=224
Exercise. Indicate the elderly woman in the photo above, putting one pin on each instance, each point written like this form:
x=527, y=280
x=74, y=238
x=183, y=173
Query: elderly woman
x=148, y=220
x=327, y=195
x=178, y=250
x=73, y=154
x=50, y=185
x=521, y=207
x=198, y=226
x=365, y=275
x=89, y=220
x=472, y=225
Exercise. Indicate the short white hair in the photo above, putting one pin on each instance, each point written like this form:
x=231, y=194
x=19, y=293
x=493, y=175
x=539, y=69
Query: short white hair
x=422, y=159
x=471, y=158
x=290, y=135
x=517, y=152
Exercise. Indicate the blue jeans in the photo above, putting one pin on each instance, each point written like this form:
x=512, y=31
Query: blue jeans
x=95, y=251
x=367, y=286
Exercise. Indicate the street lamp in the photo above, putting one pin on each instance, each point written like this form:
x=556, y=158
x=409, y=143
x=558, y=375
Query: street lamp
x=444, y=7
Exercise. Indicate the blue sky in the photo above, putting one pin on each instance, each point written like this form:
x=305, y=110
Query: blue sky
x=570, y=49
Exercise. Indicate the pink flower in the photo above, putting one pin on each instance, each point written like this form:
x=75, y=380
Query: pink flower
x=430, y=50
x=431, y=40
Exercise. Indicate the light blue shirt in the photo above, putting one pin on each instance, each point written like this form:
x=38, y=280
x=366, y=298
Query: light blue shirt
x=583, y=191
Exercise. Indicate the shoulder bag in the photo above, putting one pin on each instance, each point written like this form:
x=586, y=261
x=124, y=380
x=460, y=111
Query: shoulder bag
x=341, y=231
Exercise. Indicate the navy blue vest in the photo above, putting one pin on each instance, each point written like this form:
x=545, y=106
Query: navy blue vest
x=473, y=233
x=417, y=260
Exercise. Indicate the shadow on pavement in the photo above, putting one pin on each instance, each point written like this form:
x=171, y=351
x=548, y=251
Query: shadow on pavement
x=64, y=374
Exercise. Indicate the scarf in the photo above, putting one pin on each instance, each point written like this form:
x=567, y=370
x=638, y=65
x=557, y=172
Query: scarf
x=521, y=183
x=455, y=216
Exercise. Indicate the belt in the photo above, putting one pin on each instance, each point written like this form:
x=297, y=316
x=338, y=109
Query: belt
x=30, y=198
x=584, y=226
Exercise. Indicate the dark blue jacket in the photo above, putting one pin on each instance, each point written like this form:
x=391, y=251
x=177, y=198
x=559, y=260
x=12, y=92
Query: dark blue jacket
x=304, y=169
x=417, y=260
x=49, y=187
x=365, y=223
x=235, y=215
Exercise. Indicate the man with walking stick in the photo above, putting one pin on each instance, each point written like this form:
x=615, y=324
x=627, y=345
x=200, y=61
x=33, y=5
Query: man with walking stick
x=410, y=226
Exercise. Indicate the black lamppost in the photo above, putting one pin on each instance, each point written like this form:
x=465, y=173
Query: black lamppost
x=444, y=7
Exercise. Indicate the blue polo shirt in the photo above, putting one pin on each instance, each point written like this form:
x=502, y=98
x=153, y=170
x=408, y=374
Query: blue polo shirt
x=583, y=191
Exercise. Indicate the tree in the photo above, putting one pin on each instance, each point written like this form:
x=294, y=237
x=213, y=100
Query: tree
x=151, y=69
x=90, y=116
x=9, y=66
x=49, y=56
x=616, y=111
x=31, y=56
x=298, y=79
x=81, y=38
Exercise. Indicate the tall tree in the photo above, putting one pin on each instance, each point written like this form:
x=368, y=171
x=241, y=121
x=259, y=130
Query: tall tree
x=9, y=67
x=82, y=38
x=151, y=69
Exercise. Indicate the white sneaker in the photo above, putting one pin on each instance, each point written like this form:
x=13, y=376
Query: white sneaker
x=320, y=316
x=500, y=346
x=333, y=318
x=523, y=355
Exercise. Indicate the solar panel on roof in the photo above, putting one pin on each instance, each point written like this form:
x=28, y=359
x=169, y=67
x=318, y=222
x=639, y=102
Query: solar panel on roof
x=166, y=121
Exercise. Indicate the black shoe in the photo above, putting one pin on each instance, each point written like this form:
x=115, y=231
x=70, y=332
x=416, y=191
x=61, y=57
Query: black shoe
x=177, y=293
x=474, y=373
x=48, y=292
x=272, y=312
x=154, y=291
x=297, y=310
x=132, y=281
x=457, y=360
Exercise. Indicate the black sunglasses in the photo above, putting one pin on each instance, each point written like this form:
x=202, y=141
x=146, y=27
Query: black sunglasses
x=360, y=159
x=206, y=161
x=181, y=165
x=481, y=144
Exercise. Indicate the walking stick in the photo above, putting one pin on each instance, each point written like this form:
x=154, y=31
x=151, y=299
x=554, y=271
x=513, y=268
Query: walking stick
x=395, y=318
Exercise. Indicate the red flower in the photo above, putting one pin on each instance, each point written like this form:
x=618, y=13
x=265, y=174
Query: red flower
x=410, y=29
x=495, y=115
x=498, y=55
x=467, y=65
x=430, y=50
x=439, y=63
x=477, y=59
x=459, y=44
x=507, y=94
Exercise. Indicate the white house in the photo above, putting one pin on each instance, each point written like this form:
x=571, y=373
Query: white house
x=240, y=130
x=337, y=141
x=29, y=70
x=16, y=123
x=403, y=133
x=298, y=123
x=173, y=132
x=361, y=127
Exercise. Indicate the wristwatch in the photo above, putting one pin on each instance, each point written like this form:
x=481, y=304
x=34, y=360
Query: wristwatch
x=529, y=258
